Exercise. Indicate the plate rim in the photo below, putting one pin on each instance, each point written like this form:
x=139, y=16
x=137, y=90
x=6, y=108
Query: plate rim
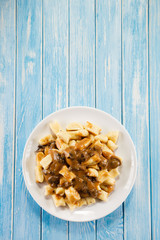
x=118, y=204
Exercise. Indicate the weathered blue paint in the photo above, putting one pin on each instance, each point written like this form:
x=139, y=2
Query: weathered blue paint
x=71, y=52
x=55, y=85
x=108, y=89
x=154, y=78
x=82, y=78
x=28, y=111
x=7, y=83
x=135, y=115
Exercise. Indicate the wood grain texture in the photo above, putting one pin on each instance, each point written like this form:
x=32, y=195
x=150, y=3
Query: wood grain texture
x=82, y=52
x=55, y=85
x=68, y=52
x=154, y=59
x=28, y=111
x=7, y=80
x=108, y=89
x=82, y=78
x=135, y=77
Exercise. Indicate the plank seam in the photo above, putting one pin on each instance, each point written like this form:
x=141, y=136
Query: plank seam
x=14, y=123
x=122, y=100
x=41, y=213
x=95, y=12
x=42, y=56
x=68, y=79
x=149, y=127
x=68, y=53
x=122, y=90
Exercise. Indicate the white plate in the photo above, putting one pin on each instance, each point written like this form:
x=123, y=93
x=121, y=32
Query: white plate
x=126, y=150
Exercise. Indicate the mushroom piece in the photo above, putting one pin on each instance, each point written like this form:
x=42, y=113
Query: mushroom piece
x=113, y=162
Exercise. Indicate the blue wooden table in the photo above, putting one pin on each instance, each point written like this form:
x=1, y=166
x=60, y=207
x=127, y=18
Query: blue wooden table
x=59, y=53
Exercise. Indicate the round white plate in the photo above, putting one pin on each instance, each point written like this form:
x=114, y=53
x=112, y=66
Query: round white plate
x=126, y=150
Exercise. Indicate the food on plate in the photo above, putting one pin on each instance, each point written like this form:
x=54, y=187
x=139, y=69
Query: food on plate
x=77, y=164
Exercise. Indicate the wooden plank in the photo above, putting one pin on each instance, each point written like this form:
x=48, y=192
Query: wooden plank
x=135, y=76
x=108, y=94
x=82, y=53
x=154, y=60
x=7, y=80
x=28, y=111
x=82, y=78
x=55, y=85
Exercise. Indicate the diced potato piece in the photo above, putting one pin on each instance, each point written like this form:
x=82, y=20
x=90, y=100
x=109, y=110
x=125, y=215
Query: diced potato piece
x=46, y=150
x=92, y=137
x=39, y=157
x=109, y=181
x=67, y=174
x=90, y=200
x=72, y=195
x=39, y=174
x=92, y=172
x=62, y=180
x=106, y=149
x=97, y=143
x=108, y=189
x=98, y=187
x=60, y=191
x=114, y=173
x=64, y=136
x=102, y=175
x=45, y=162
x=84, y=143
x=104, y=187
x=103, y=195
x=112, y=145
x=113, y=135
x=103, y=146
x=81, y=202
x=60, y=144
x=67, y=152
x=72, y=143
x=55, y=127
x=71, y=206
x=74, y=126
x=73, y=135
x=95, y=167
x=107, y=155
x=92, y=128
x=69, y=161
x=63, y=147
x=82, y=133
x=92, y=160
x=46, y=140
x=78, y=134
x=102, y=137
x=58, y=200
x=48, y=190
